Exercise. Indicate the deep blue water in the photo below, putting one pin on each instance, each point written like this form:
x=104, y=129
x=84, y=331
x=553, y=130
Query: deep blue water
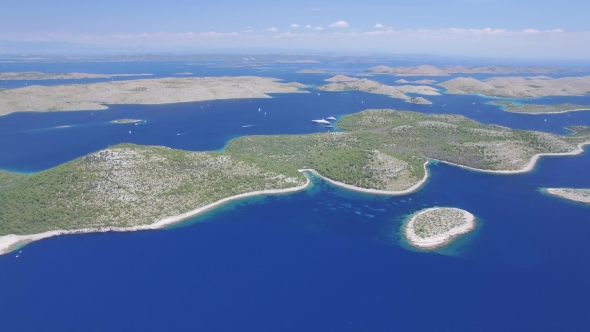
x=325, y=259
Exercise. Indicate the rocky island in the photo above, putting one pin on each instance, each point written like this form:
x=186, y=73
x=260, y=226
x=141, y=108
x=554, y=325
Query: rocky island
x=539, y=109
x=370, y=86
x=147, y=91
x=424, y=70
x=519, y=87
x=436, y=227
x=130, y=187
x=341, y=78
x=576, y=195
x=35, y=75
x=419, y=101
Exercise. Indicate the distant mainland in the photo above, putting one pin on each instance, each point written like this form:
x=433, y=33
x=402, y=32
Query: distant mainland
x=34, y=75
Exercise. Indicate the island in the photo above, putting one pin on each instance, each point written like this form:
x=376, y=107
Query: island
x=341, y=78
x=519, y=87
x=94, y=96
x=130, y=187
x=539, y=109
x=370, y=86
x=35, y=75
x=428, y=70
x=434, y=228
x=419, y=101
x=312, y=71
x=403, y=81
x=125, y=121
x=576, y=195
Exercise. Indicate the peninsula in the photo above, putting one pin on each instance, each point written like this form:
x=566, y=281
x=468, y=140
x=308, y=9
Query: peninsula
x=433, y=228
x=130, y=187
x=146, y=91
x=539, y=109
x=370, y=86
x=519, y=87
x=35, y=75
x=576, y=195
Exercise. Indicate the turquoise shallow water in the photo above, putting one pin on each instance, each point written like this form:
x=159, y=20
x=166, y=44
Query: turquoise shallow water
x=321, y=259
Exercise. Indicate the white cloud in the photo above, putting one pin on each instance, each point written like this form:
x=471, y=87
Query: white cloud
x=273, y=29
x=339, y=24
x=378, y=26
x=295, y=35
x=295, y=25
x=530, y=31
x=318, y=28
x=486, y=31
x=555, y=30
x=308, y=26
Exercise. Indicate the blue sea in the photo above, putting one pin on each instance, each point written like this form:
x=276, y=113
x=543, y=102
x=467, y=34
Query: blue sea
x=324, y=259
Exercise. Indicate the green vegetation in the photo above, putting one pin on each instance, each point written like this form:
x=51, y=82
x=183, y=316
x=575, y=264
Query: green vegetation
x=127, y=185
x=539, y=109
x=438, y=221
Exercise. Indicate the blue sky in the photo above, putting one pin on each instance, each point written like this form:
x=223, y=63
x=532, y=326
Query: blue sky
x=449, y=27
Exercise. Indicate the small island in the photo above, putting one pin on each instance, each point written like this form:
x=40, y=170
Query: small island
x=433, y=228
x=419, y=101
x=124, y=121
x=576, y=195
x=539, y=109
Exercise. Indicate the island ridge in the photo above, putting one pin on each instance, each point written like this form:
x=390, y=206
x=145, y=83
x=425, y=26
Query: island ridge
x=127, y=186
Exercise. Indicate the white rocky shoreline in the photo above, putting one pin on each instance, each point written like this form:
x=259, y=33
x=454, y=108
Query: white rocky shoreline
x=11, y=242
x=571, y=194
x=528, y=167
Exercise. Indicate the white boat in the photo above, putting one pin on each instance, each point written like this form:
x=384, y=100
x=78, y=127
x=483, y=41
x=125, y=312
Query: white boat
x=331, y=118
x=324, y=121
x=246, y=126
x=258, y=109
x=130, y=131
x=329, y=126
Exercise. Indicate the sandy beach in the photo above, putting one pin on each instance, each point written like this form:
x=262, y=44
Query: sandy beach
x=11, y=242
x=437, y=241
x=529, y=167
